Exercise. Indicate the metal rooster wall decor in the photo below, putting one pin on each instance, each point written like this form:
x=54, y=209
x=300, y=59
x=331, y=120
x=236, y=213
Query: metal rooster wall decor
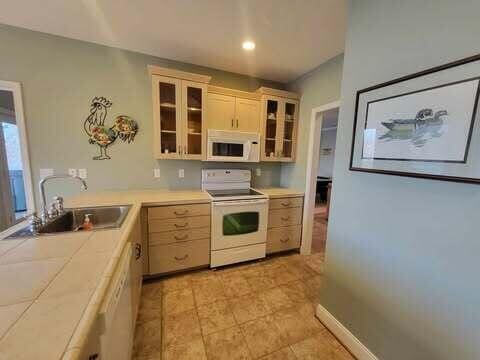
x=124, y=127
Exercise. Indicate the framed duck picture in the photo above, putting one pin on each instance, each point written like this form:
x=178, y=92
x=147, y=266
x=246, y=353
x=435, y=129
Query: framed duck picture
x=422, y=125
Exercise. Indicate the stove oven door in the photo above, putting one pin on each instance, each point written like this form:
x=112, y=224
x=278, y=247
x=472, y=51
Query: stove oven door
x=239, y=223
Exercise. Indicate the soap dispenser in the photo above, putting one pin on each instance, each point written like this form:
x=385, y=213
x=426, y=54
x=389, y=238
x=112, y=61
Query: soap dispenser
x=87, y=224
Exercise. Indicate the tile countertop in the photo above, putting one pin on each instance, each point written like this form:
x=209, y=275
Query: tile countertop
x=279, y=192
x=52, y=286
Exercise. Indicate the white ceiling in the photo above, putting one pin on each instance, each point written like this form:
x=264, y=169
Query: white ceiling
x=291, y=36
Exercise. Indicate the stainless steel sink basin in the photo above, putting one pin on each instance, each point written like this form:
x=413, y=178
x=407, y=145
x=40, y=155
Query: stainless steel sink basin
x=101, y=217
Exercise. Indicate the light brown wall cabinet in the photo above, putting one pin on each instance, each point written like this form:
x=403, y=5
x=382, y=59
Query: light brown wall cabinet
x=284, y=224
x=179, y=237
x=179, y=113
x=185, y=106
x=179, y=118
x=228, y=112
x=279, y=127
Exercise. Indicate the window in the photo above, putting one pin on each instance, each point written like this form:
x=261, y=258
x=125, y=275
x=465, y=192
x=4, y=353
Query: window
x=16, y=199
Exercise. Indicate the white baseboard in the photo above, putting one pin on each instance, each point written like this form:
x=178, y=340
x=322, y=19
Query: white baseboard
x=354, y=345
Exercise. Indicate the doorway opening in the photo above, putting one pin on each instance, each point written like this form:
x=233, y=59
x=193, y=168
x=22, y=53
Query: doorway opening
x=319, y=179
x=328, y=137
x=16, y=197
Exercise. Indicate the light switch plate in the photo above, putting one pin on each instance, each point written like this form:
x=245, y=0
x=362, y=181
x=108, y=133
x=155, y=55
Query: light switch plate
x=258, y=171
x=156, y=173
x=82, y=173
x=72, y=172
x=45, y=172
x=181, y=173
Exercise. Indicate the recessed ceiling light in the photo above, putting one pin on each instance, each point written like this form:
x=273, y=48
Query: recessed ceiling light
x=248, y=45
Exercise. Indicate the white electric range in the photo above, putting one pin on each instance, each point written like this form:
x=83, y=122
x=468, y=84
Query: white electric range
x=239, y=216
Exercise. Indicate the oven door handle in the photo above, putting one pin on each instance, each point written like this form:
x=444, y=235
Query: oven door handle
x=240, y=203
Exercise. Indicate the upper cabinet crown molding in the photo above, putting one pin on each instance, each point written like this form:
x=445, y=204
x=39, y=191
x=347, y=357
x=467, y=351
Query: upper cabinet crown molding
x=276, y=92
x=233, y=92
x=178, y=74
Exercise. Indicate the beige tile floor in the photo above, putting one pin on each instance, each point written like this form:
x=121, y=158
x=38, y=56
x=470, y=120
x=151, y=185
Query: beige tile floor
x=260, y=310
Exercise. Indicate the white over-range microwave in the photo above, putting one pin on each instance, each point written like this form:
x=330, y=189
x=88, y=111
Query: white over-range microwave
x=223, y=145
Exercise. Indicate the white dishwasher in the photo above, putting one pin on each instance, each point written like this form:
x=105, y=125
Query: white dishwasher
x=116, y=341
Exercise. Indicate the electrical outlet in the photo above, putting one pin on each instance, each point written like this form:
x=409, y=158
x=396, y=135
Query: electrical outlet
x=181, y=173
x=72, y=172
x=258, y=171
x=45, y=172
x=156, y=173
x=82, y=173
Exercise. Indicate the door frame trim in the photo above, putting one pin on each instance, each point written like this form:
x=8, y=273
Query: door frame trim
x=16, y=89
x=313, y=151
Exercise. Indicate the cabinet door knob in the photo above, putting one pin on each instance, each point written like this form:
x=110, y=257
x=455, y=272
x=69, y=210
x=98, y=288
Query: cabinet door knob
x=232, y=122
x=286, y=218
x=285, y=240
x=181, y=258
x=287, y=203
x=181, y=213
x=237, y=123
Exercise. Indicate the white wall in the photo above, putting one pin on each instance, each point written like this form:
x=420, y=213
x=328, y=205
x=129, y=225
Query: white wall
x=59, y=78
x=402, y=261
x=318, y=87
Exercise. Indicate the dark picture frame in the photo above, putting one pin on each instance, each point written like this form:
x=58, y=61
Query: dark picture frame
x=403, y=82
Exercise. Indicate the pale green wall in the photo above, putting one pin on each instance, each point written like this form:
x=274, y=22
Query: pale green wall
x=60, y=76
x=318, y=87
x=402, y=259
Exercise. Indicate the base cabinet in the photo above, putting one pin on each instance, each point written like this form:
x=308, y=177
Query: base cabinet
x=283, y=238
x=179, y=256
x=284, y=224
x=178, y=237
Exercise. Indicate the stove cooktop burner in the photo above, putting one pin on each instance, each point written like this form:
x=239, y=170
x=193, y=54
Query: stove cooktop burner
x=233, y=192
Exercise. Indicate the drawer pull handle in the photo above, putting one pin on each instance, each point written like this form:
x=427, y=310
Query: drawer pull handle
x=181, y=213
x=181, y=226
x=286, y=218
x=285, y=240
x=138, y=251
x=288, y=203
x=184, y=237
x=181, y=258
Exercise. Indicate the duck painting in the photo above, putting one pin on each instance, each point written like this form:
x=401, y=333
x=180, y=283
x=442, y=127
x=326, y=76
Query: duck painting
x=124, y=127
x=419, y=130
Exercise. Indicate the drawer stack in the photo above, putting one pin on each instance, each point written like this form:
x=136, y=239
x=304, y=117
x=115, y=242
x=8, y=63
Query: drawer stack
x=178, y=237
x=284, y=224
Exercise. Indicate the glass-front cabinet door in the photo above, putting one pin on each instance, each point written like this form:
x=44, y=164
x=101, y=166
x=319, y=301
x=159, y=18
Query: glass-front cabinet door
x=271, y=123
x=167, y=107
x=194, y=103
x=289, y=128
x=279, y=122
x=179, y=118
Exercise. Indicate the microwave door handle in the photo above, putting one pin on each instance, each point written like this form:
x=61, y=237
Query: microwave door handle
x=248, y=148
